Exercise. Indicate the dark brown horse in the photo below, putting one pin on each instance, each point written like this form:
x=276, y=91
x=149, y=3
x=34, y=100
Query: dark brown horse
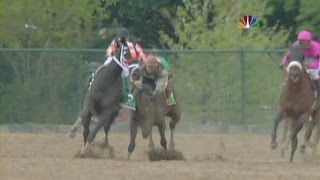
x=297, y=102
x=103, y=101
x=151, y=111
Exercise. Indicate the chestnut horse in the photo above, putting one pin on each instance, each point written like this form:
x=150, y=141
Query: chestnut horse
x=298, y=103
x=151, y=111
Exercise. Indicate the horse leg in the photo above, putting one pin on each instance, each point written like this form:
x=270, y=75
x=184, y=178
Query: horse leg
x=162, y=132
x=151, y=143
x=317, y=133
x=276, y=122
x=297, y=126
x=106, y=128
x=316, y=140
x=133, y=134
x=72, y=132
x=106, y=137
x=285, y=137
x=102, y=119
x=308, y=132
x=174, y=120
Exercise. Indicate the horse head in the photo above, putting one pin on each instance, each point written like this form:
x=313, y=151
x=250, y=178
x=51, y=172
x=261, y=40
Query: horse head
x=294, y=71
x=146, y=108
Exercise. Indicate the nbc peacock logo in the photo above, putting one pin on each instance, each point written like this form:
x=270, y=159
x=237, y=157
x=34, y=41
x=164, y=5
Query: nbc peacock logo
x=248, y=21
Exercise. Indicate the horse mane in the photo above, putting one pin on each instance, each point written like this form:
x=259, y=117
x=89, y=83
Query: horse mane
x=106, y=76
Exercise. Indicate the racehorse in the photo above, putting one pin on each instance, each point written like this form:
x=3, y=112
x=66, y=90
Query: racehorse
x=151, y=111
x=297, y=102
x=102, y=100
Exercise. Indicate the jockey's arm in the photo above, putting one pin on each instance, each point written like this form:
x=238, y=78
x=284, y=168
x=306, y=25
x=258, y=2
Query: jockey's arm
x=162, y=82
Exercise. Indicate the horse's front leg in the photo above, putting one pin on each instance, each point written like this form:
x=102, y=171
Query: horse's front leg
x=151, y=143
x=162, y=129
x=308, y=132
x=285, y=139
x=316, y=139
x=276, y=122
x=172, y=125
x=133, y=134
x=296, y=127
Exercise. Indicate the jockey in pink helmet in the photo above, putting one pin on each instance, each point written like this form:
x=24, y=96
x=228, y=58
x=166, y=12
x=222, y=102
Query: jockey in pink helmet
x=311, y=56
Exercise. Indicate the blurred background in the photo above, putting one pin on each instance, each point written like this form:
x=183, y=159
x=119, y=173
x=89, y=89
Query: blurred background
x=225, y=76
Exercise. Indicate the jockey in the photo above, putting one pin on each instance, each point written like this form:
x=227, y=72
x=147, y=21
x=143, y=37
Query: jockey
x=311, y=53
x=156, y=68
x=132, y=52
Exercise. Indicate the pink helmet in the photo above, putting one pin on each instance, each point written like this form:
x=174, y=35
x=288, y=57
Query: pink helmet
x=305, y=36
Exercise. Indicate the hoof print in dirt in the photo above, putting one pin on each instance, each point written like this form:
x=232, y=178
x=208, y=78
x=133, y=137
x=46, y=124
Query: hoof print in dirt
x=161, y=154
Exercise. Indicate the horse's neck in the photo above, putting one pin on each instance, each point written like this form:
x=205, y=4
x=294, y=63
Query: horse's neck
x=110, y=73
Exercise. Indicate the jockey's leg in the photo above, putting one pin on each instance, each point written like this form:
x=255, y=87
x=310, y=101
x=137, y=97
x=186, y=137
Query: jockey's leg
x=129, y=99
x=315, y=76
x=169, y=92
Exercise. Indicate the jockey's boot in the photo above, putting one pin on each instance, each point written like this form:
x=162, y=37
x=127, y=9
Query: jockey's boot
x=170, y=99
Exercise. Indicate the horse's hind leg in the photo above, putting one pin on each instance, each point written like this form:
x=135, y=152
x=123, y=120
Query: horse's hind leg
x=86, y=129
x=174, y=120
x=72, y=132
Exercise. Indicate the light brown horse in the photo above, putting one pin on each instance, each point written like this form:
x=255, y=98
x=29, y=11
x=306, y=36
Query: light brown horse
x=151, y=111
x=297, y=102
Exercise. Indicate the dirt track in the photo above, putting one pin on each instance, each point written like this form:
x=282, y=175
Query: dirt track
x=209, y=156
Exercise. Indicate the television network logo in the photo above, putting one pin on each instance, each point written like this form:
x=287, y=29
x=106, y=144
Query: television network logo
x=249, y=21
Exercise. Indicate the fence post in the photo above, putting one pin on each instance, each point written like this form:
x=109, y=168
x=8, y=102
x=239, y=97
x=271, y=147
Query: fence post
x=243, y=89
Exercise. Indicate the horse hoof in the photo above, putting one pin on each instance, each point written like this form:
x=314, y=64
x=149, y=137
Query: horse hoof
x=274, y=145
x=129, y=156
x=71, y=134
